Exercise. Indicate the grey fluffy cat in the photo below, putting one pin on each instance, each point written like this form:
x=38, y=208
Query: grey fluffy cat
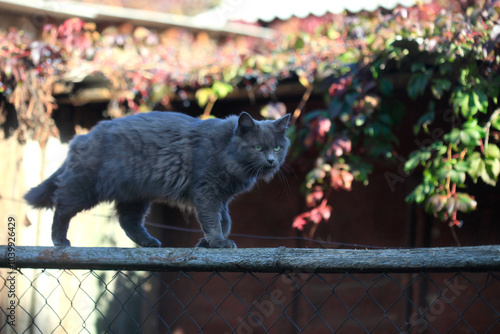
x=193, y=164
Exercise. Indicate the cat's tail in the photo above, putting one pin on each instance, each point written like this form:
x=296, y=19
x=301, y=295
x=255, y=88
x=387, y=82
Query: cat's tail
x=42, y=195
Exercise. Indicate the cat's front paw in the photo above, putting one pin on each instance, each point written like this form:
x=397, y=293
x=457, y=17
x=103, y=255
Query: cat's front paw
x=203, y=243
x=221, y=243
x=224, y=243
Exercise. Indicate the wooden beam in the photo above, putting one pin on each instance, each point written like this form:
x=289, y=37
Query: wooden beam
x=281, y=259
x=101, y=93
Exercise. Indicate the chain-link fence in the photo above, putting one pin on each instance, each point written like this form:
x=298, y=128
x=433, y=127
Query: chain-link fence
x=241, y=301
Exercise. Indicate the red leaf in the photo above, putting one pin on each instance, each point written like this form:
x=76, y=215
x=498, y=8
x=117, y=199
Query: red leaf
x=340, y=87
x=340, y=146
x=324, y=125
x=299, y=222
x=324, y=210
x=315, y=196
x=341, y=179
x=347, y=179
x=315, y=216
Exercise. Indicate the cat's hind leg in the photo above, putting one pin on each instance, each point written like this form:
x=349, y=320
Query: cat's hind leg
x=131, y=217
x=60, y=224
x=69, y=199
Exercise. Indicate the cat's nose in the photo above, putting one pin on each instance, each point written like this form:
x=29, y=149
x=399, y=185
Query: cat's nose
x=271, y=161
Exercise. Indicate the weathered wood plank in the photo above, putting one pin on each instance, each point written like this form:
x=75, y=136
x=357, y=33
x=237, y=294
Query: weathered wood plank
x=259, y=259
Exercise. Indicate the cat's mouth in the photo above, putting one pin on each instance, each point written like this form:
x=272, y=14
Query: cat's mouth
x=267, y=173
x=268, y=169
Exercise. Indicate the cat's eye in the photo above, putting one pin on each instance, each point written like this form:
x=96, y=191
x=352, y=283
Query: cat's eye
x=258, y=147
x=277, y=148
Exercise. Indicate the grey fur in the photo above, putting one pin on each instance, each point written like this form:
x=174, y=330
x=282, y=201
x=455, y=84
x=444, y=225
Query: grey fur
x=193, y=164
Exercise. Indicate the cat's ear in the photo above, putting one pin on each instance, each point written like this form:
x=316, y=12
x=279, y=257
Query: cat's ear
x=282, y=123
x=245, y=123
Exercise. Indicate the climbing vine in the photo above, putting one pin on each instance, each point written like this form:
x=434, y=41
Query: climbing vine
x=434, y=58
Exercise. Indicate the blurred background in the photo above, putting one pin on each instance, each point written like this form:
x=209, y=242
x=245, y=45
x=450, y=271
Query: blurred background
x=394, y=105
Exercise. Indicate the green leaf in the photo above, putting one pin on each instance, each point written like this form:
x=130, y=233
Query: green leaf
x=471, y=104
x=349, y=56
x=203, y=95
x=159, y=91
x=230, y=72
x=386, y=87
x=221, y=89
x=424, y=121
x=417, y=84
x=332, y=33
x=465, y=203
x=487, y=178
x=299, y=43
x=412, y=162
x=443, y=173
x=461, y=166
x=480, y=101
x=439, y=87
x=492, y=151
x=461, y=103
x=476, y=169
x=457, y=177
x=470, y=124
x=417, y=195
x=490, y=173
x=470, y=136
x=493, y=168
x=464, y=76
x=417, y=67
x=466, y=139
x=440, y=148
x=452, y=137
x=495, y=123
x=445, y=68
x=473, y=129
x=474, y=161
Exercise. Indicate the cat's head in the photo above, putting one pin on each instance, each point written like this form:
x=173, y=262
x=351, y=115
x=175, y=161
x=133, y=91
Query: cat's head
x=260, y=147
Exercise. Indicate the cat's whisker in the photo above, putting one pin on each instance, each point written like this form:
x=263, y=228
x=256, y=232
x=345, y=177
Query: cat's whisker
x=261, y=172
x=252, y=168
x=288, y=168
x=257, y=173
x=284, y=181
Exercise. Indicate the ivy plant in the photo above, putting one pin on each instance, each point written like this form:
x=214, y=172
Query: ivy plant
x=444, y=59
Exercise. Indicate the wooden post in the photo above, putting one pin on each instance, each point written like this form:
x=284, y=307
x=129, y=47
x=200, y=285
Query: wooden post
x=281, y=259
